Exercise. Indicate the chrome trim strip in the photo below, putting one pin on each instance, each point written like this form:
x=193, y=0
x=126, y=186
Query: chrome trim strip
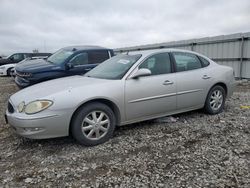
x=35, y=118
x=154, y=97
x=189, y=91
x=166, y=95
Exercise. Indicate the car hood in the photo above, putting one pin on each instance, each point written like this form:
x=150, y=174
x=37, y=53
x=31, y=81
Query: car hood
x=35, y=65
x=78, y=85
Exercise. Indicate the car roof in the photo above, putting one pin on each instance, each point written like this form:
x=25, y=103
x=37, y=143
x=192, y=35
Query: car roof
x=77, y=48
x=148, y=52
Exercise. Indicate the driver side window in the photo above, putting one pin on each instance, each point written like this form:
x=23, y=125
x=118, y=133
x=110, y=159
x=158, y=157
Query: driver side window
x=80, y=59
x=157, y=64
x=17, y=57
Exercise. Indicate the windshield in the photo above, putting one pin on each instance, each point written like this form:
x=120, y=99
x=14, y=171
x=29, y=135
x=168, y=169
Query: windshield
x=60, y=56
x=114, y=68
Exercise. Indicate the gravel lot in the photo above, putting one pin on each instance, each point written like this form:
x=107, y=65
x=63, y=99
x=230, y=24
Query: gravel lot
x=188, y=150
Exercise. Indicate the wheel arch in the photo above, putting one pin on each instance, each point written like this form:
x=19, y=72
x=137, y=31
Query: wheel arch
x=8, y=69
x=222, y=85
x=107, y=102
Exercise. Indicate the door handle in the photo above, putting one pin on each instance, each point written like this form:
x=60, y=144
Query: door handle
x=205, y=77
x=88, y=69
x=167, y=82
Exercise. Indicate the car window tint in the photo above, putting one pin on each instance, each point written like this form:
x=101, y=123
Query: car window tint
x=204, y=61
x=80, y=59
x=17, y=57
x=186, y=61
x=27, y=55
x=98, y=56
x=158, y=64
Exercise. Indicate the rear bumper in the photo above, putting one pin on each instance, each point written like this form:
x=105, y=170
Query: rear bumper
x=231, y=88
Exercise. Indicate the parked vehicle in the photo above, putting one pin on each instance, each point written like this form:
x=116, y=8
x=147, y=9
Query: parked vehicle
x=8, y=69
x=5, y=70
x=124, y=89
x=67, y=61
x=17, y=57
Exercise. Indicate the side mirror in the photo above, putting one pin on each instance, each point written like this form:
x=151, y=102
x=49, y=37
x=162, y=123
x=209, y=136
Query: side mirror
x=12, y=58
x=69, y=66
x=141, y=72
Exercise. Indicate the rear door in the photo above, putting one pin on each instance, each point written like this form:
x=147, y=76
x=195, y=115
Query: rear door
x=192, y=80
x=151, y=95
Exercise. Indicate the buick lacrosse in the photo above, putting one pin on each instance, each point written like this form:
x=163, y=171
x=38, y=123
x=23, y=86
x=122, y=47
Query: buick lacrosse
x=125, y=89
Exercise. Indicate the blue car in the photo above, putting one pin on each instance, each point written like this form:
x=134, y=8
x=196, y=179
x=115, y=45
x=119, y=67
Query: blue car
x=68, y=61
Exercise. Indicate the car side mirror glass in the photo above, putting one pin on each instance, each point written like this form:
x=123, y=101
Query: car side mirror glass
x=69, y=66
x=12, y=58
x=141, y=72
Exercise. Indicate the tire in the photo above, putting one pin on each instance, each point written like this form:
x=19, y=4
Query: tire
x=215, y=100
x=8, y=71
x=86, y=124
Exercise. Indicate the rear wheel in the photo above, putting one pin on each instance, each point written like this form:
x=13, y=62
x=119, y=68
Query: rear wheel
x=93, y=124
x=215, y=100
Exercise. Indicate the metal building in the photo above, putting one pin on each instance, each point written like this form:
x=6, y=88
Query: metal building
x=232, y=50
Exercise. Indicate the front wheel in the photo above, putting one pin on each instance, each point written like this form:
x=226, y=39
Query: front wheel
x=8, y=72
x=215, y=100
x=93, y=124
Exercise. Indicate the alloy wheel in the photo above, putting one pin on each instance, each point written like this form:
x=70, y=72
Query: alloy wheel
x=216, y=100
x=95, y=125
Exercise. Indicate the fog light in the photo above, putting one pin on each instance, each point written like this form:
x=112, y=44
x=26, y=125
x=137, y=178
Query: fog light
x=32, y=129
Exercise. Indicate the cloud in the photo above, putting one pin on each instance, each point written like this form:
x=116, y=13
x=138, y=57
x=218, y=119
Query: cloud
x=48, y=25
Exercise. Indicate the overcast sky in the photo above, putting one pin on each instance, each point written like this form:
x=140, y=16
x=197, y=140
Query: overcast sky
x=48, y=25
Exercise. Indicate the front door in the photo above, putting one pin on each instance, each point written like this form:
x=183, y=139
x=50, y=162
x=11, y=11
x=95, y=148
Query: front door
x=151, y=95
x=80, y=64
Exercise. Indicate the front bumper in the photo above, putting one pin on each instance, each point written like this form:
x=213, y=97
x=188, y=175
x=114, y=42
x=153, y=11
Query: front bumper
x=2, y=72
x=22, y=82
x=42, y=127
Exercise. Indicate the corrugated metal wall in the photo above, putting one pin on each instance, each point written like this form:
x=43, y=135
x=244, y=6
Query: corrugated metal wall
x=231, y=50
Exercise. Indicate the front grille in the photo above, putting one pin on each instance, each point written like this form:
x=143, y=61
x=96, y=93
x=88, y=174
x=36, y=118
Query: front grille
x=10, y=108
x=23, y=74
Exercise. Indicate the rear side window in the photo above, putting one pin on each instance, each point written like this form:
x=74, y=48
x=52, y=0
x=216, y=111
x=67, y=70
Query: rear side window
x=204, y=61
x=27, y=55
x=157, y=64
x=98, y=56
x=186, y=61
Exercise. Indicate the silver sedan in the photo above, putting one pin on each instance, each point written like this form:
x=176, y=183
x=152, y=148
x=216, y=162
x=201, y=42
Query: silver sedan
x=125, y=89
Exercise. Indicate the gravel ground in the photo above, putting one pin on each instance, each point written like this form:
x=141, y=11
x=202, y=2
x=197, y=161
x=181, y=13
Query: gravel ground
x=188, y=150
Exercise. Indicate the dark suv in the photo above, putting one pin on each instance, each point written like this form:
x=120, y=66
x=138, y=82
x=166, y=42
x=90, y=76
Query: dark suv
x=17, y=57
x=67, y=61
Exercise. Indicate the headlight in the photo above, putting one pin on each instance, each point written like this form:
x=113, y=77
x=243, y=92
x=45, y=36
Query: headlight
x=37, y=106
x=2, y=67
